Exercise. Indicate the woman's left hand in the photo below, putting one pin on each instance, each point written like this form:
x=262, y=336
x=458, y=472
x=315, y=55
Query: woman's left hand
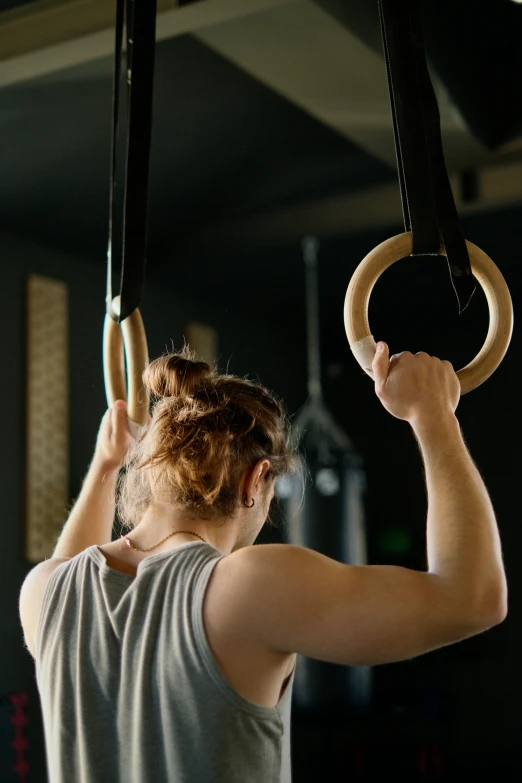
x=114, y=437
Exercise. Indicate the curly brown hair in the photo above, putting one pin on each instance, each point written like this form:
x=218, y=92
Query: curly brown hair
x=206, y=431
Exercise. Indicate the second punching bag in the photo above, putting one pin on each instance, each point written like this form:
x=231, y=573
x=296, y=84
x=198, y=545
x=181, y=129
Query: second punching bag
x=324, y=511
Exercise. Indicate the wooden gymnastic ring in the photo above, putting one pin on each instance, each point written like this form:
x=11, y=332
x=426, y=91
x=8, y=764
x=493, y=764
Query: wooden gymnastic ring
x=125, y=357
x=485, y=272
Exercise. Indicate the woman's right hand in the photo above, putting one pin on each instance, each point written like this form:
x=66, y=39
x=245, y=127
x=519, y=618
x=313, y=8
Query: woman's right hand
x=414, y=387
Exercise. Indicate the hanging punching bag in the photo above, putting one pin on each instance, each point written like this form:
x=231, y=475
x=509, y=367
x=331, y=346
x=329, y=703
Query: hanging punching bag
x=324, y=511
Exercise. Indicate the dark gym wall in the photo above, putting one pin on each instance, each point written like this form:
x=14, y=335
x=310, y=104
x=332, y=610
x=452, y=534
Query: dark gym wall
x=247, y=344
x=469, y=696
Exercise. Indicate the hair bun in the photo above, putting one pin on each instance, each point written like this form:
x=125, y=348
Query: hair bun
x=177, y=374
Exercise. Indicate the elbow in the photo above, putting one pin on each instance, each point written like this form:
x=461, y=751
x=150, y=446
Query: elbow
x=498, y=612
x=493, y=606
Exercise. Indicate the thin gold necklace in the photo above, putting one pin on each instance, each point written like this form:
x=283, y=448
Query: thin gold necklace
x=175, y=533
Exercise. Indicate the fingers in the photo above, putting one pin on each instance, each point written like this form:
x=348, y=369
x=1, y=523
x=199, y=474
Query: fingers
x=106, y=422
x=381, y=364
x=119, y=416
x=397, y=356
x=116, y=413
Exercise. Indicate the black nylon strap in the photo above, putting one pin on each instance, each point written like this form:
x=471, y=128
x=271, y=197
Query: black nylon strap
x=140, y=18
x=427, y=200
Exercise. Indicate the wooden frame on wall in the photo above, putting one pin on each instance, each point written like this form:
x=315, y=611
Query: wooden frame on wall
x=47, y=412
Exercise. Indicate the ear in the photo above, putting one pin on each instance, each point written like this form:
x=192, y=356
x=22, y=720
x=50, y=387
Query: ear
x=252, y=483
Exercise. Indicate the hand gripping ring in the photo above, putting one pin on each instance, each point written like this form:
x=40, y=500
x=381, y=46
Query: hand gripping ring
x=485, y=272
x=126, y=344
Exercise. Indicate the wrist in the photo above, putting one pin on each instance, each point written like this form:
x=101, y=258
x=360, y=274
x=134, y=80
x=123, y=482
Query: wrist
x=104, y=465
x=431, y=425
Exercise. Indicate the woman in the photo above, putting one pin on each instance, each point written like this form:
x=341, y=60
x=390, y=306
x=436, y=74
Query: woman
x=168, y=655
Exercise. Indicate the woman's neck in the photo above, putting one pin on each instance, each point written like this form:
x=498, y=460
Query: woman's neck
x=164, y=521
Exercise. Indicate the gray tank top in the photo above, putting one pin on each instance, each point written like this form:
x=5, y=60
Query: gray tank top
x=130, y=690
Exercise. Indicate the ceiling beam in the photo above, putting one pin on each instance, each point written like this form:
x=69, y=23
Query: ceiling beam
x=52, y=35
x=308, y=56
x=295, y=47
x=497, y=186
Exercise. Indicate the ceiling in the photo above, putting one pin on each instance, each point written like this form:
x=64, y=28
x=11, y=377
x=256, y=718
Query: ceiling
x=223, y=144
x=271, y=119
